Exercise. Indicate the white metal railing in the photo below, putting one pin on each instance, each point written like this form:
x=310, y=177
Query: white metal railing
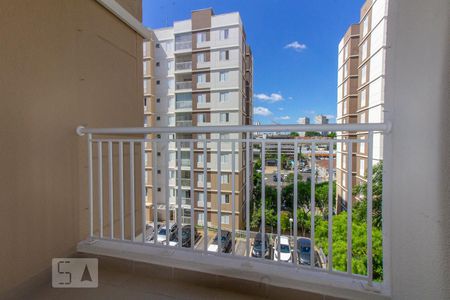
x=269, y=196
x=183, y=45
x=183, y=123
x=185, y=65
x=183, y=85
x=183, y=104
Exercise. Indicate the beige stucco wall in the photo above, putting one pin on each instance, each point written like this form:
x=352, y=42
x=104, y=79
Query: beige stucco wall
x=62, y=63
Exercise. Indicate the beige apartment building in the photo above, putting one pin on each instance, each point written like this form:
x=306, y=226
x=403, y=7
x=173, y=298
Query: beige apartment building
x=203, y=76
x=361, y=75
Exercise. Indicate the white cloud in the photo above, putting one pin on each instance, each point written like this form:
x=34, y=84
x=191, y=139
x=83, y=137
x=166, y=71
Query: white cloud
x=280, y=108
x=330, y=116
x=296, y=46
x=261, y=111
x=290, y=98
x=274, y=97
x=283, y=118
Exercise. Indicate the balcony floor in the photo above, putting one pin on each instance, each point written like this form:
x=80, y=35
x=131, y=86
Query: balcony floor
x=123, y=279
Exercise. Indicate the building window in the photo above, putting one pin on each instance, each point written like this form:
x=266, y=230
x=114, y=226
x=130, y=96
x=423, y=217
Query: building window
x=157, y=45
x=201, y=158
x=344, y=104
x=225, y=220
x=169, y=65
x=157, y=63
x=223, y=97
x=224, y=34
x=344, y=161
x=200, y=180
x=225, y=198
x=200, y=118
x=345, y=89
x=365, y=26
x=362, y=148
x=201, y=37
x=158, y=100
x=364, y=50
x=344, y=195
x=201, y=57
x=362, y=118
x=224, y=117
x=224, y=55
x=362, y=98
x=223, y=76
x=345, y=71
x=158, y=82
x=158, y=118
x=201, y=78
x=201, y=99
x=225, y=178
x=363, y=74
x=361, y=167
x=224, y=158
x=201, y=219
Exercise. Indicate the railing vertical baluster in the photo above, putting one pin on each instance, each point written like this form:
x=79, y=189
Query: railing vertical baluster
x=313, y=202
x=180, y=241
x=143, y=192
x=369, y=209
x=100, y=187
x=349, y=206
x=219, y=196
x=263, y=198
x=191, y=155
x=247, y=195
x=205, y=199
x=90, y=187
x=121, y=197
x=154, y=190
x=330, y=207
x=233, y=186
x=111, y=189
x=294, y=258
x=167, y=190
x=132, y=195
x=278, y=199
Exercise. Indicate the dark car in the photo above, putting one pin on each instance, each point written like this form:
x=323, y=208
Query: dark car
x=225, y=242
x=185, y=237
x=304, y=252
x=257, y=246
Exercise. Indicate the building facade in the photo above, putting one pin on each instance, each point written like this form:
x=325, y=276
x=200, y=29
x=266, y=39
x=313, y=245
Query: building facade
x=361, y=75
x=321, y=119
x=203, y=77
x=303, y=121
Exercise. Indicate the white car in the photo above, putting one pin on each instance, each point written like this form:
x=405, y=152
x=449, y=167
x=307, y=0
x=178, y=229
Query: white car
x=285, y=249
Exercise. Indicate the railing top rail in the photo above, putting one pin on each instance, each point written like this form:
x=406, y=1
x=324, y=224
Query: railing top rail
x=383, y=127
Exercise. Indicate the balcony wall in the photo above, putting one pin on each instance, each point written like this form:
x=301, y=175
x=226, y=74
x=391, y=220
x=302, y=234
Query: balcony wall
x=69, y=63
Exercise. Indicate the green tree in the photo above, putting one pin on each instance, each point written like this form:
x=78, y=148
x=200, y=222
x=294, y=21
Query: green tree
x=360, y=209
x=270, y=219
x=312, y=133
x=359, y=245
x=284, y=221
x=294, y=133
x=332, y=135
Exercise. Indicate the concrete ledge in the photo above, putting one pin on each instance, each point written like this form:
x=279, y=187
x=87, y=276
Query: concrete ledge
x=259, y=277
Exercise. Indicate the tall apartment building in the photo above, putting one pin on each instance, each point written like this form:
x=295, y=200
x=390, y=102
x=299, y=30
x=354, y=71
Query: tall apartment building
x=360, y=99
x=203, y=77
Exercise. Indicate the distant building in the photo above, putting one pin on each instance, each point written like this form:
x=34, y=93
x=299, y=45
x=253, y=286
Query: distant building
x=321, y=119
x=303, y=121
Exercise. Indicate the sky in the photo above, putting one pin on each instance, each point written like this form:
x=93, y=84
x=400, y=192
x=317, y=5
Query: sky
x=294, y=45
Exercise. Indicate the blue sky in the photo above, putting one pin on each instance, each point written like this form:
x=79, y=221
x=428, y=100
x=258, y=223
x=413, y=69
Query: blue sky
x=289, y=81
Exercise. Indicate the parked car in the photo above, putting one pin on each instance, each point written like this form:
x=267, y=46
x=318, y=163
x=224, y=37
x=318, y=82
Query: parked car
x=185, y=236
x=257, y=246
x=149, y=232
x=225, y=242
x=285, y=249
x=304, y=252
x=162, y=232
